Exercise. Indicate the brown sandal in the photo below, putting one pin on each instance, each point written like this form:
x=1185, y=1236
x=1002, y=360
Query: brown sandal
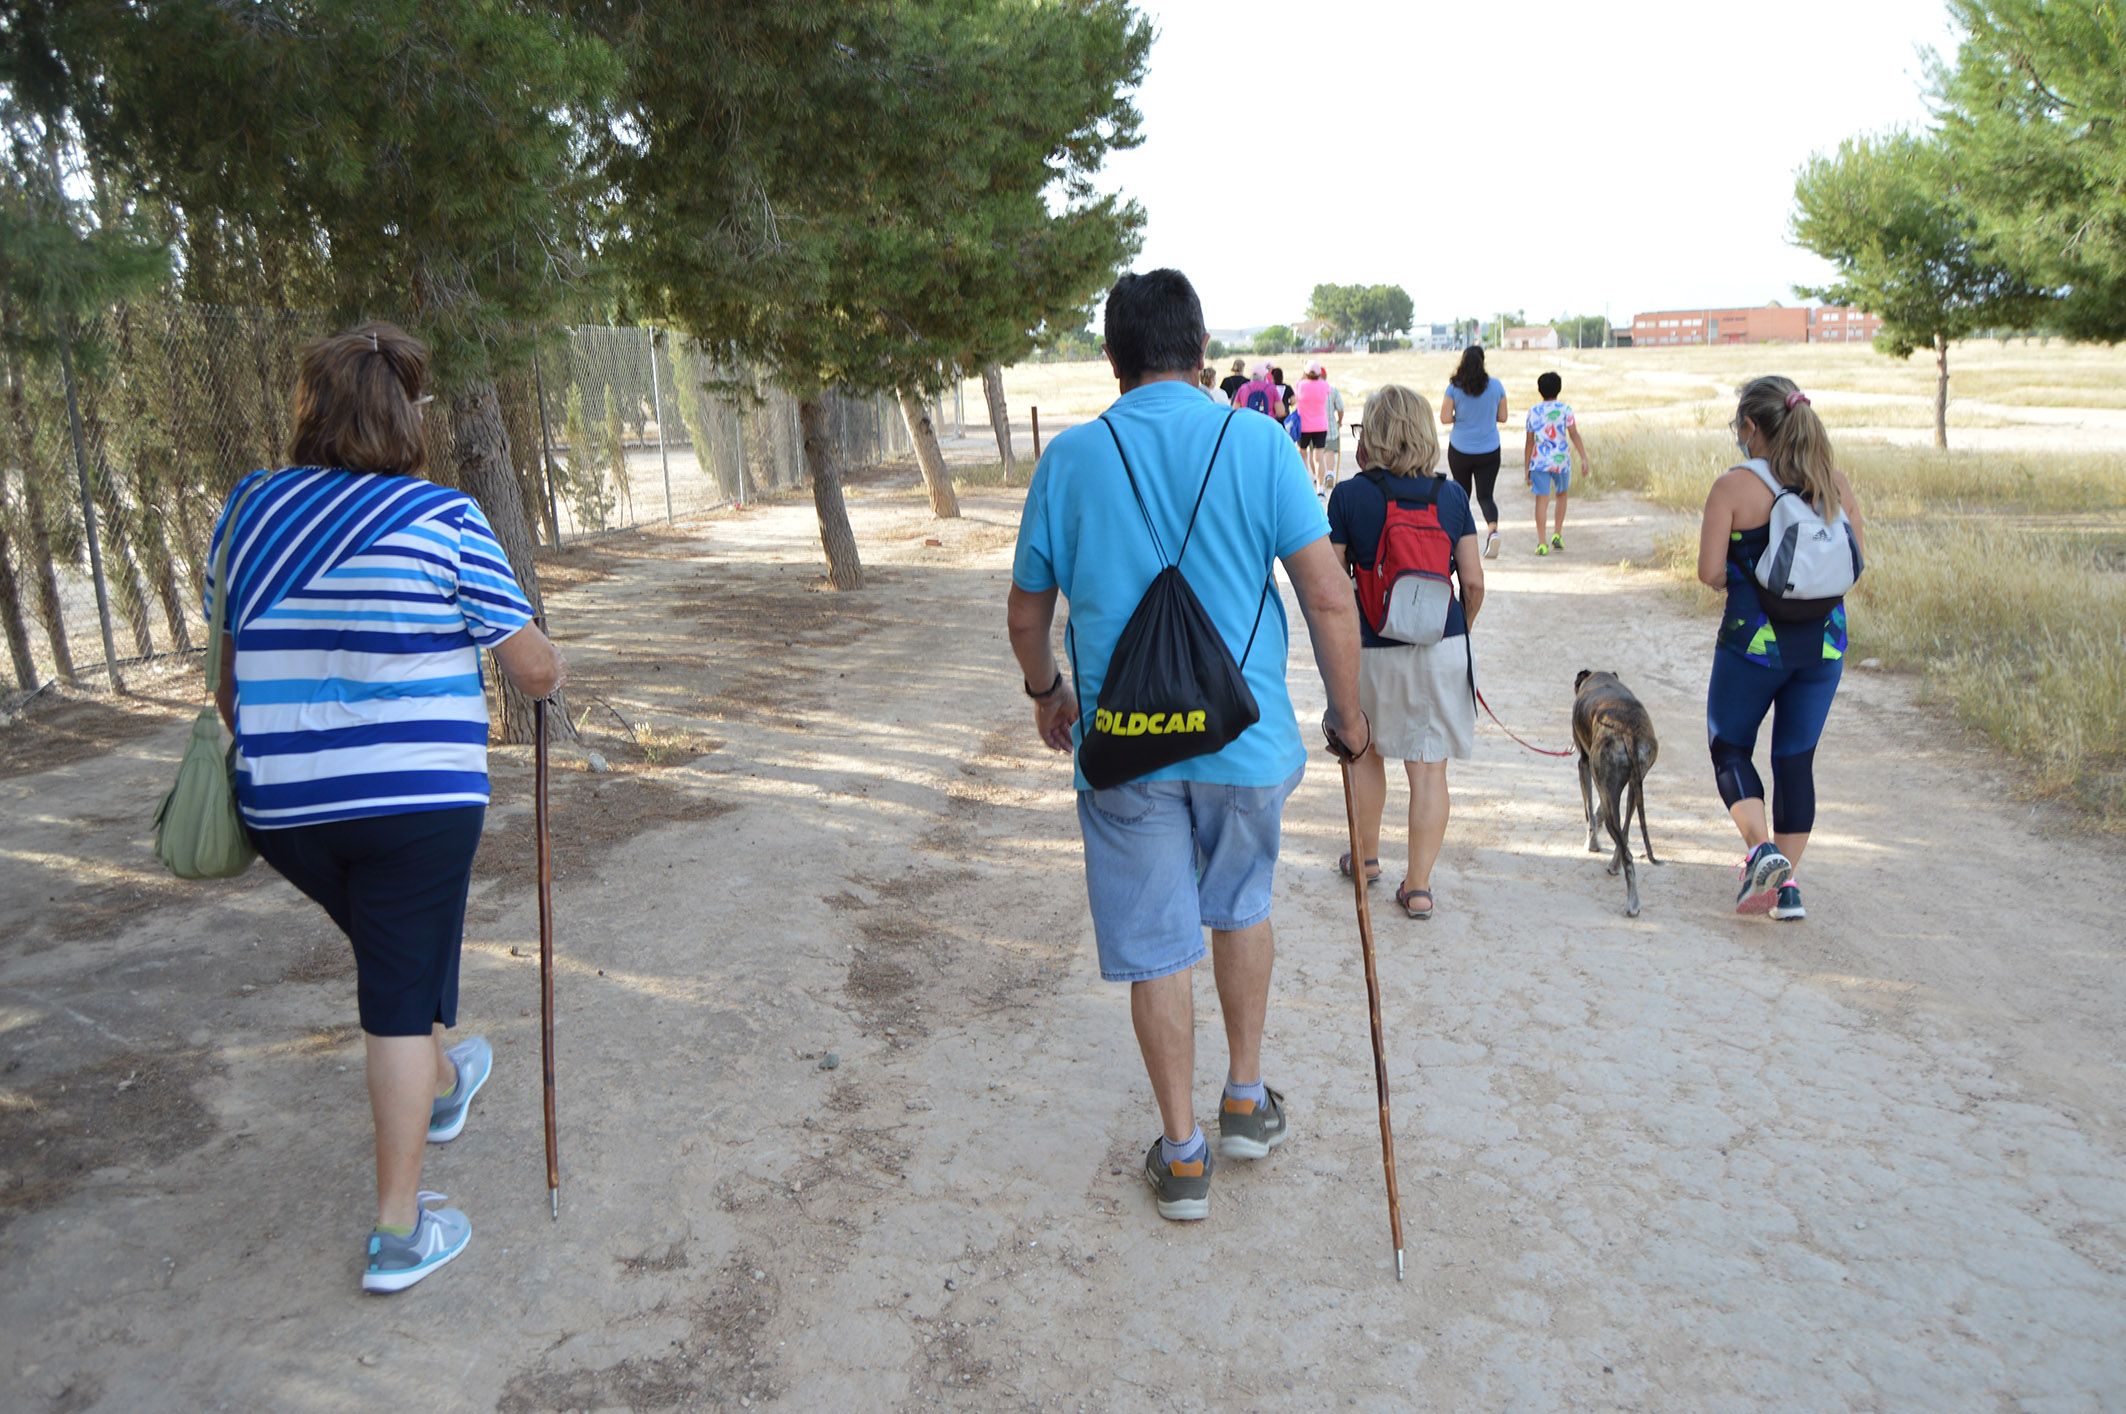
x=1343, y=867
x=1406, y=896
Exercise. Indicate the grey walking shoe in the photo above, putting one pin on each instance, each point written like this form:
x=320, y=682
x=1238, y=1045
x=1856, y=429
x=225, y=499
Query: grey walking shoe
x=475, y=1060
x=1249, y=1129
x=396, y=1263
x=1762, y=875
x=1183, y=1189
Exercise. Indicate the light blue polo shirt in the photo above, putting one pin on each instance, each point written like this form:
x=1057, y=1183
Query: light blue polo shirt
x=1081, y=532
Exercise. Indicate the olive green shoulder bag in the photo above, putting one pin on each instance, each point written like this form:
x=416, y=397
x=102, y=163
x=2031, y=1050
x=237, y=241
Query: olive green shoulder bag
x=197, y=831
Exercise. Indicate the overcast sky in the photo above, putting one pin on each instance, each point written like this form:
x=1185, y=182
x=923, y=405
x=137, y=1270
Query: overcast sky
x=1547, y=156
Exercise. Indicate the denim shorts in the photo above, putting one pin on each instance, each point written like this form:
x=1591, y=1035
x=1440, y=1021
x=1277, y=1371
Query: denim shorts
x=1166, y=859
x=1550, y=483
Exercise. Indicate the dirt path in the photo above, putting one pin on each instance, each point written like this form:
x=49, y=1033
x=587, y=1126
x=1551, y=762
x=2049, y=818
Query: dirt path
x=1686, y=1161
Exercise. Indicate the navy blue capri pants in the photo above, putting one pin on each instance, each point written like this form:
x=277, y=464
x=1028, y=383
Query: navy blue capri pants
x=396, y=886
x=1799, y=702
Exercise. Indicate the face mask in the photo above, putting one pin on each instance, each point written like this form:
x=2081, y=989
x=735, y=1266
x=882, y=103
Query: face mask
x=1742, y=441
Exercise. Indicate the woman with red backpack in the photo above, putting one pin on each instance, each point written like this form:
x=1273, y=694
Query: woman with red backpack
x=1406, y=536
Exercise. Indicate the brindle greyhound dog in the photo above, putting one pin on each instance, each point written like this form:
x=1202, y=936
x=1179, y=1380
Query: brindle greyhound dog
x=1616, y=744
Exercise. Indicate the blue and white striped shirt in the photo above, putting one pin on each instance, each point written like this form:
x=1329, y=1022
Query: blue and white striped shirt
x=360, y=603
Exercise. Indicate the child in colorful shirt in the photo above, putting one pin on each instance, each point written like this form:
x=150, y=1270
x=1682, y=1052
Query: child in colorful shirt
x=1553, y=437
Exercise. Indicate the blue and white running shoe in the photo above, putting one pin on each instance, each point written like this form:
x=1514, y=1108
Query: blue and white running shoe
x=396, y=1263
x=475, y=1060
x=1763, y=873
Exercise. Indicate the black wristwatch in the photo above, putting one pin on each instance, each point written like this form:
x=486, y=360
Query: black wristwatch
x=1052, y=687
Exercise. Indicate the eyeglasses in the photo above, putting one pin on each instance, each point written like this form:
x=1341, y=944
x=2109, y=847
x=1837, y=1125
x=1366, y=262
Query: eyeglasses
x=424, y=400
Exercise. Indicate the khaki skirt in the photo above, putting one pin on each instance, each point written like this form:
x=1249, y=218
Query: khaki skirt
x=1418, y=699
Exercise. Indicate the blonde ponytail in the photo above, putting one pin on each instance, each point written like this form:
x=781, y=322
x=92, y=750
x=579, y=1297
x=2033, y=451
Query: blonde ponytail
x=1795, y=441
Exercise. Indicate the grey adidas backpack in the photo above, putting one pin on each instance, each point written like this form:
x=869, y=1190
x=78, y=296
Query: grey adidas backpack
x=1811, y=562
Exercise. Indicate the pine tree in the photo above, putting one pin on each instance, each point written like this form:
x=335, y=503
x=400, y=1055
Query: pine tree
x=2031, y=123
x=433, y=148
x=1888, y=213
x=822, y=233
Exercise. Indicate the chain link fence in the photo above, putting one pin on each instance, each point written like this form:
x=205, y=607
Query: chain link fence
x=175, y=402
x=645, y=425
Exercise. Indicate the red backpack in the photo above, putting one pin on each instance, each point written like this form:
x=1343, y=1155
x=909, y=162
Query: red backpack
x=1405, y=593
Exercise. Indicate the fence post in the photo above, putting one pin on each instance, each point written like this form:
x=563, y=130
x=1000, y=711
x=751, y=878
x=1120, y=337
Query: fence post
x=546, y=451
x=657, y=402
x=1036, y=435
x=88, y=515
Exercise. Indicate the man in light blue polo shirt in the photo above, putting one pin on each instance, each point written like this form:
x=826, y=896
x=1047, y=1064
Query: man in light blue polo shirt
x=1193, y=845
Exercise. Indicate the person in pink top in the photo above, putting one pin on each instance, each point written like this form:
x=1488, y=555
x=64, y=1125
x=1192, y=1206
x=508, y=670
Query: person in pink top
x=1312, y=395
x=1260, y=394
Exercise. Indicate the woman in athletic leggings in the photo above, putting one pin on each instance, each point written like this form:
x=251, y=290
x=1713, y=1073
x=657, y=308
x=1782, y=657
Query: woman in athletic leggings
x=1788, y=667
x=1474, y=406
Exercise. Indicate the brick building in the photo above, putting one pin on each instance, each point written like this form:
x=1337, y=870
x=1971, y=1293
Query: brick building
x=1765, y=324
x=1835, y=324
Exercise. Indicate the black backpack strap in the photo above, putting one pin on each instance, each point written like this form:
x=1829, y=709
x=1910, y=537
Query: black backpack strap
x=1269, y=580
x=1209, y=467
x=1269, y=577
x=1142, y=509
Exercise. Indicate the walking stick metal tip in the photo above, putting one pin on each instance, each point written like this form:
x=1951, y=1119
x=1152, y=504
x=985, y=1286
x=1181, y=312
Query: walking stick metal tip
x=553, y=1197
x=1398, y=1264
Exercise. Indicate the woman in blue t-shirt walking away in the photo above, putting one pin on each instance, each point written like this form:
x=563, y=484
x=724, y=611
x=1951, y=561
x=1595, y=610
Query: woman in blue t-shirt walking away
x=1474, y=406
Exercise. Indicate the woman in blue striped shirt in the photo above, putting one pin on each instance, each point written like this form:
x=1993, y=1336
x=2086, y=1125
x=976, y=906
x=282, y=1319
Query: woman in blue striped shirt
x=360, y=597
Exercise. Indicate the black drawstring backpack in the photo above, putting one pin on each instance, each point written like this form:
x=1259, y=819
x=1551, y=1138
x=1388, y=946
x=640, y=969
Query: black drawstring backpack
x=1172, y=690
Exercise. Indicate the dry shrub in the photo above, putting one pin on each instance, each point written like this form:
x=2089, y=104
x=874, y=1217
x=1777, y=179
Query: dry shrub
x=1674, y=468
x=2022, y=630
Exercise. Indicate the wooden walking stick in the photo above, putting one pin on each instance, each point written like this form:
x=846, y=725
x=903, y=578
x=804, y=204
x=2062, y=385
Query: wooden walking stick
x=1380, y=1057
x=543, y=836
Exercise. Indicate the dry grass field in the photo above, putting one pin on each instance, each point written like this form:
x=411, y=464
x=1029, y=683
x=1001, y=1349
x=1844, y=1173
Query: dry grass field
x=1997, y=571
x=1993, y=385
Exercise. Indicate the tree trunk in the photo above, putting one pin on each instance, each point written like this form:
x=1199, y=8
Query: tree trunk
x=44, y=572
x=115, y=515
x=999, y=416
x=923, y=432
x=18, y=634
x=480, y=457
x=88, y=516
x=1941, y=391
x=155, y=488
x=844, y=569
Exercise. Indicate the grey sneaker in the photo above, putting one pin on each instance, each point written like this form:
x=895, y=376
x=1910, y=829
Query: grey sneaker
x=396, y=1263
x=1762, y=874
x=1183, y=1189
x=475, y=1060
x=1249, y=1129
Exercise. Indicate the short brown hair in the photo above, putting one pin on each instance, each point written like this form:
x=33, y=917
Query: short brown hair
x=1399, y=434
x=356, y=401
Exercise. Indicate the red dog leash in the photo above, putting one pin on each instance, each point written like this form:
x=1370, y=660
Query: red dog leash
x=1509, y=730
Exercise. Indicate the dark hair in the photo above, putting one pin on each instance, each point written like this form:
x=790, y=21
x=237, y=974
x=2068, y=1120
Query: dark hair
x=354, y=402
x=1469, y=374
x=1277, y=376
x=1550, y=385
x=1154, y=324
